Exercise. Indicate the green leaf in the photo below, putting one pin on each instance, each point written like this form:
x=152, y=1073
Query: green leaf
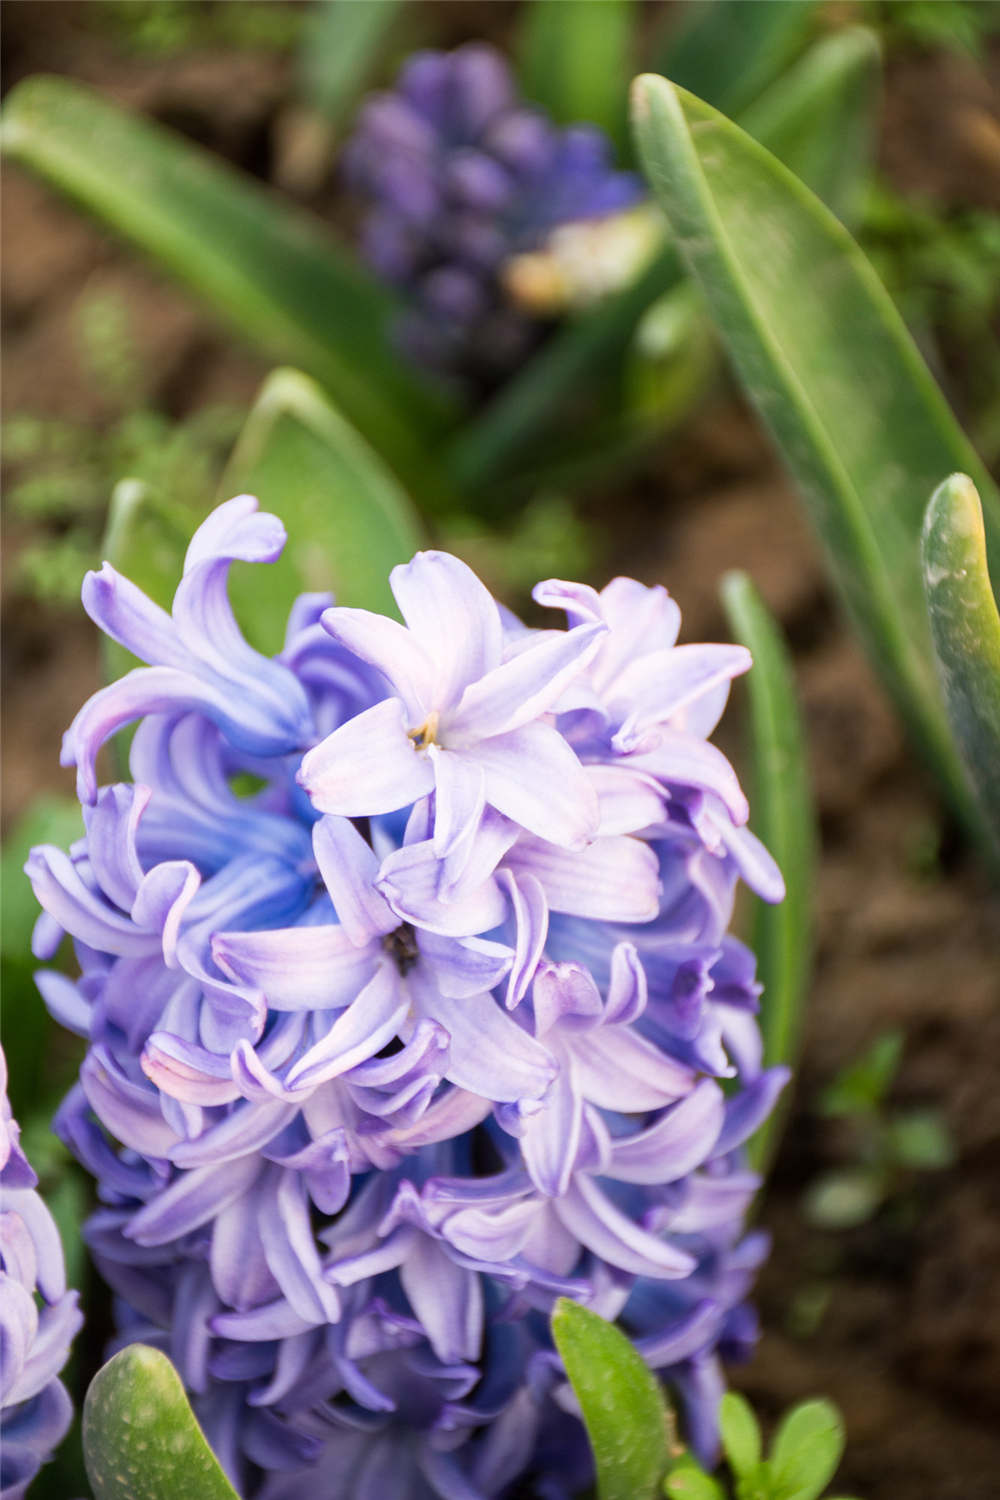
x=688, y=1482
x=268, y=267
x=140, y=1437
x=819, y=117
x=727, y=51
x=845, y=1198
x=833, y=372
x=575, y=61
x=348, y=520
x=341, y=40
x=806, y=1450
x=920, y=1139
x=784, y=817
x=861, y=1087
x=965, y=628
x=145, y=539
x=740, y=1432
x=622, y=1404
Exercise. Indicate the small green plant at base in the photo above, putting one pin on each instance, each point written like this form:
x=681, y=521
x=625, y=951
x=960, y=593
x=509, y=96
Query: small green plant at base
x=889, y=1143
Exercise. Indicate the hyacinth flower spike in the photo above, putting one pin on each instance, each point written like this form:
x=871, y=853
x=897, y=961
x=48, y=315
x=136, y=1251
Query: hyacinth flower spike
x=39, y=1318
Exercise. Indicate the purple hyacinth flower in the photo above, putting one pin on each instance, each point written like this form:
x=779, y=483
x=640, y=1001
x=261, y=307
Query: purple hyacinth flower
x=458, y=176
x=39, y=1318
x=438, y=1022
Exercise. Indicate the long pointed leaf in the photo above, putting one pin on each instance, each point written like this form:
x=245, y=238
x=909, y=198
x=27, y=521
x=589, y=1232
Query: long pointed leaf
x=965, y=628
x=340, y=42
x=575, y=61
x=348, y=519
x=623, y=1406
x=728, y=51
x=140, y=1437
x=784, y=818
x=268, y=267
x=833, y=372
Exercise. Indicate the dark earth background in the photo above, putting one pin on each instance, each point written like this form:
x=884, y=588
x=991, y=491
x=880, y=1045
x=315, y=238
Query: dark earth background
x=897, y=1320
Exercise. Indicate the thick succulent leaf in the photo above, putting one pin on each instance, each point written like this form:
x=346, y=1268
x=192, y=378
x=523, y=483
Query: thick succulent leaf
x=268, y=267
x=575, y=61
x=341, y=41
x=348, y=519
x=819, y=117
x=784, y=817
x=140, y=1437
x=727, y=51
x=965, y=628
x=807, y=1448
x=833, y=372
x=623, y=1406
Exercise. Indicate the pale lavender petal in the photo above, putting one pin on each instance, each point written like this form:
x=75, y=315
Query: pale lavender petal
x=240, y=1272
x=530, y=912
x=464, y=967
x=453, y=617
x=298, y=968
x=393, y=650
x=755, y=864
x=349, y=866
x=489, y=1054
x=630, y=801
x=661, y=684
x=459, y=799
x=410, y=881
x=550, y=1138
x=680, y=759
x=192, y=1199
x=446, y=1298
x=562, y=991
x=613, y=880
x=627, y=989
x=683, y=1338
x=359, y=1033
x=289, y=1245
x=81, y=911
x=111, y=830
x=681, y=1139
x=367, y=766
x=749, y=1108
x=599, y=1225
x=620, y=1070
x=523, y=688
x=534, y=778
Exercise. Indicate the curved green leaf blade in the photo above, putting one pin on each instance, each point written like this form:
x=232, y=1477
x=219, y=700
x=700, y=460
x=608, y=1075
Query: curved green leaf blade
x=140, y=1437
x=341, y=40
x=785, y=819
x=833, y=372
x=575, y=61
x=728, y=51
x=268, y=267
x=348, y=519
x=623, y=1406
x=965, y=628
x=819, y=117
x=806, y=1450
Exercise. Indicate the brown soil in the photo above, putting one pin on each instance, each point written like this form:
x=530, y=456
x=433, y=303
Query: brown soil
x=905, y=1334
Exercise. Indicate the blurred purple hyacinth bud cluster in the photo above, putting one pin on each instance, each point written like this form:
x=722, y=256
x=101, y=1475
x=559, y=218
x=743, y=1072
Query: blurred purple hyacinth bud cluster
x=459, y=176
x=410, y=1005
x=39, y=1318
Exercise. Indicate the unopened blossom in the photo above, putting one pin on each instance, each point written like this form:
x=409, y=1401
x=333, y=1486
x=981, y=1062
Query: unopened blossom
x=440, y=1021
x=39, y=1318
x=459, y=177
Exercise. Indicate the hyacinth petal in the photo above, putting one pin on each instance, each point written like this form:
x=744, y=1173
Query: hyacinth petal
x=627, y=989
x=530, y=912
x=81, y=911
x=535, y=779
x=607, y=1232
x=682, y=1138
x=111, y=832
x=409, y=879
x=446, y=1298
x=349, y=867
x=240, y=1273
x=679, y=759
x=123, y=612
x=562, y=990
x=275, y=1320
x=622, y=1071
x=662, y=683
x=683, y=1338
x=63, y=1001
x=361, y=1031
x=550, y=1139
x=290, y=1249
x=192, y=1199
x=188, y=1072
x=749, y=1108
x=613, y=880
x=464, y=967
x=629, y=800
x=581, y=603
x=130, y=1112
x=162, y=900
x=454, y=618
x=298, y=968
x=489, y=1054
x=392, y=650
x=367, y=766
x=56, y=1330
x=523, y=688
x=756, y=866
x=240, y=1133
x=459, y=799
